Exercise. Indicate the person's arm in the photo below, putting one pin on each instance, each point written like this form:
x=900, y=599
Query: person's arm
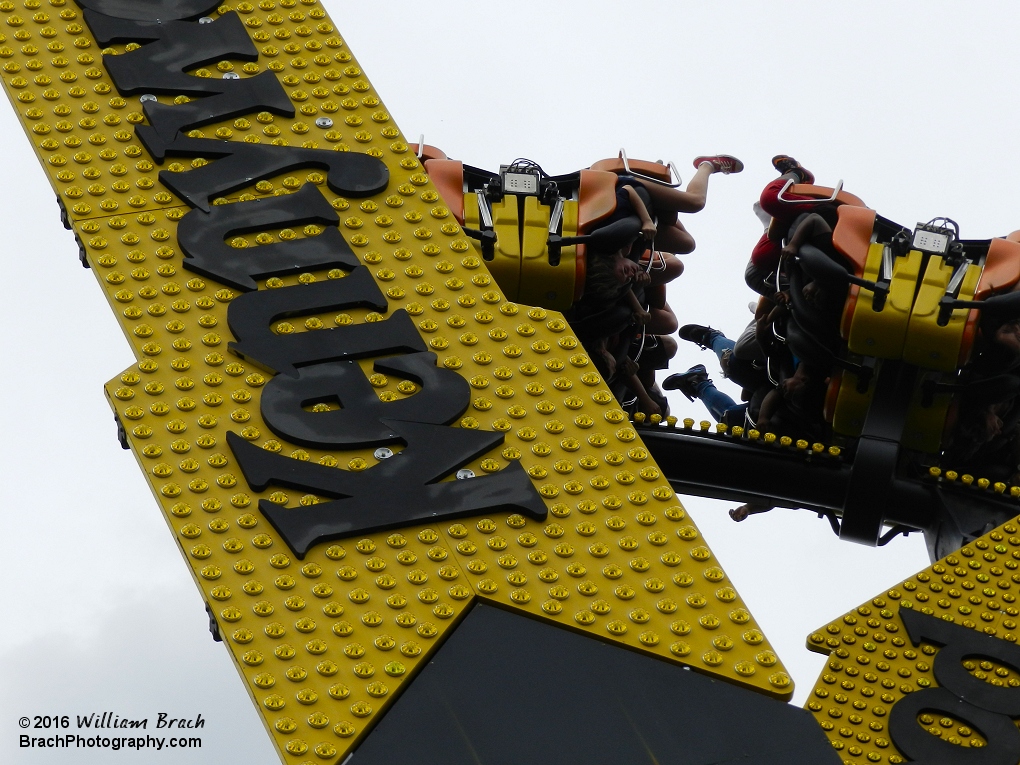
x=647, y=224
x=763, y=327
x=646, y=403
x=811, y=227
x=740, y=513
x=769, y=406
x=641, y=316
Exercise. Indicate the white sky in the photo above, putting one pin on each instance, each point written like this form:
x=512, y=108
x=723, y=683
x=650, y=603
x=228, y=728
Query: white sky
x=913, y=104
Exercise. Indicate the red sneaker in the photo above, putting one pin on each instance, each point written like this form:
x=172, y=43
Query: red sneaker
x=786, y=164
x=723, y=163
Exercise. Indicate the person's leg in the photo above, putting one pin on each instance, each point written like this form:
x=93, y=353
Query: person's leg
x=695, y=384
x=746, y=348
x=665, y=266
x=690, y=200
x=658, y=351
x=761, y=279
x=784, y=211
x=655, y=296
x=785, y=165
x=655, y=355
x=769, y=199
x=767, y=252
x=662, y=321
x=675, y=239
x=668, y=345
x=714, y=400
x=720, y=344
x=706, y=338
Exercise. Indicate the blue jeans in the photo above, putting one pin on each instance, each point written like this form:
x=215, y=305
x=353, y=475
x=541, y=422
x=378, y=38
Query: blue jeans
x=719, y=405
x=720, y=345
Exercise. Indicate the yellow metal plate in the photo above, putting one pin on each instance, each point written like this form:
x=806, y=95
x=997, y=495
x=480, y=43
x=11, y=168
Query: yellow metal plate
x=929, y=345
x=873, y=664
x=83, y=130
x=882, y=333
x=542, y=283
x=618, y=557
x=506, y=263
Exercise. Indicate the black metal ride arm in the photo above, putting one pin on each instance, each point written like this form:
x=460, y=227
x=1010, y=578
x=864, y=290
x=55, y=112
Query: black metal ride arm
x=737, y=470
x=867, y=493
x=486, y=236
x=1003, y=306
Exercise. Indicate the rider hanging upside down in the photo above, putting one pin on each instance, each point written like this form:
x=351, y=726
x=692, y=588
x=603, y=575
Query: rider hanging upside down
x=670, y=234
x=623, y=318
x=657, y=207
x=767, y=252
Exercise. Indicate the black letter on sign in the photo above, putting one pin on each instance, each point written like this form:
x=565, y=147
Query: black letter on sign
x=920, y=746
x=400, y=491
x=150, y=10
x=159, y=67
x=362, y=420
x=241, y=164
x=959, y=643
x=201, y=236
x=250, y=317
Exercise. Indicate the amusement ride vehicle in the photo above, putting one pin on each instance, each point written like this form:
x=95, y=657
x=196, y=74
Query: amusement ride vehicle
x=901, y=353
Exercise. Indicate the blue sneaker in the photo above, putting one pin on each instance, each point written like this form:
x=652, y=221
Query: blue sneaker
x=699, y=335
x=687, y=382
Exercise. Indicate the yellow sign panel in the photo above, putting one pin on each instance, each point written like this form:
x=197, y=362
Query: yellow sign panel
x=885, y=694
x=325, y=639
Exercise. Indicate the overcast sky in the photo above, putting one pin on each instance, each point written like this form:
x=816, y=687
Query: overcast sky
x=913, y=104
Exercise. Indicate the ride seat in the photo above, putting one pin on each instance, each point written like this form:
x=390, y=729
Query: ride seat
x=427, y=152
x=852, y=236
x=448, y=177
x=541, y=282
x=615, y=165
x=845, y=406
x=824, y=193
x=1000, y=272
x=596, y=199
x=926, y=426
x=1002, y=267
x=934, y=347
x=869, y=332
x=929, y=345
x=852, y=239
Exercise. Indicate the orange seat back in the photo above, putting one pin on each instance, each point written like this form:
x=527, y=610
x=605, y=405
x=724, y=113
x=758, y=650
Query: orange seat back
x=852, y=235
x=1002, y=268
x=652, y=169
x=427, y=152
x=448, y=177
x=824, y=192
x=969, y=334
x=596, y=199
